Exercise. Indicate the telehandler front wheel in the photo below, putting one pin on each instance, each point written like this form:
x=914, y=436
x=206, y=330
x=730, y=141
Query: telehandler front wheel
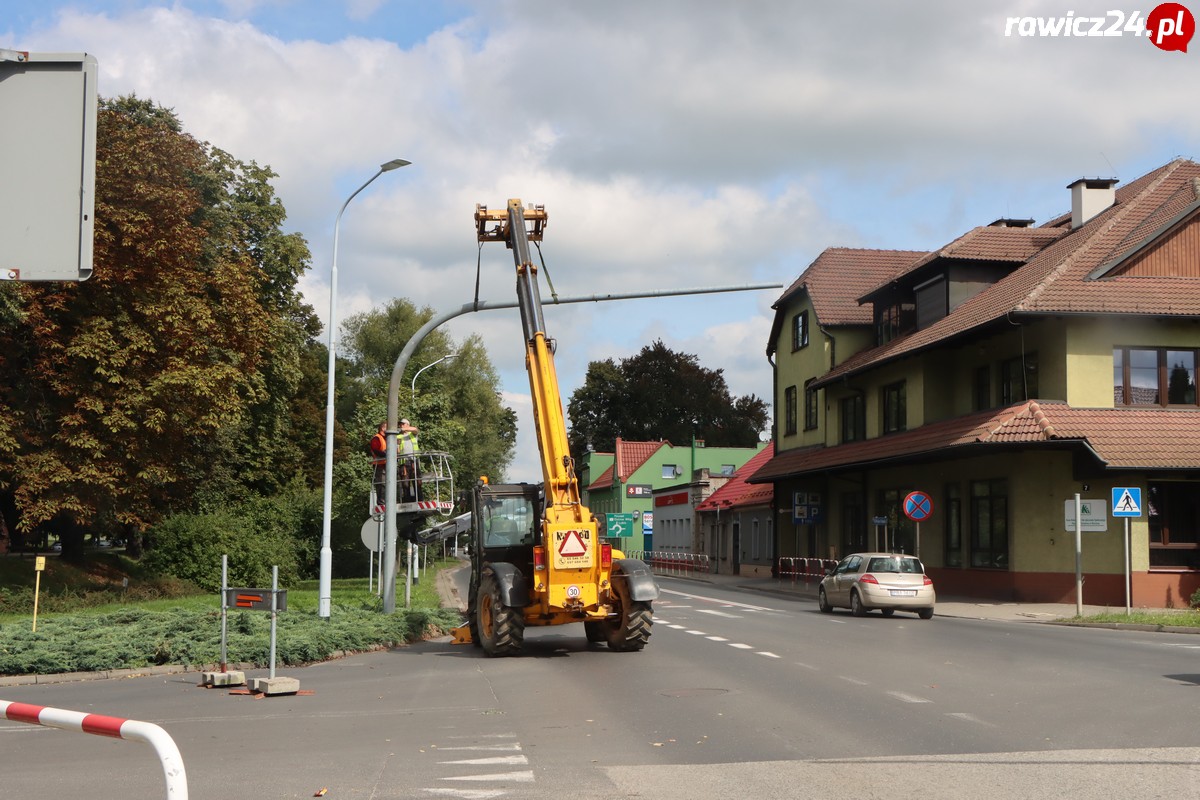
x=629, y=628
x=501, y=629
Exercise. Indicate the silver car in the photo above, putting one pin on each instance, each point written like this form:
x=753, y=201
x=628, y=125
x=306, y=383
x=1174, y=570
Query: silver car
x=887, y=581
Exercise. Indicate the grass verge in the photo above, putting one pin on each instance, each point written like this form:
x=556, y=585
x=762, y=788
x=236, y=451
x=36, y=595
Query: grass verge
x=131, y=633
x=1182, y=618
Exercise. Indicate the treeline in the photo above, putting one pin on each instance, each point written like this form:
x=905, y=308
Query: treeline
x=178, y=395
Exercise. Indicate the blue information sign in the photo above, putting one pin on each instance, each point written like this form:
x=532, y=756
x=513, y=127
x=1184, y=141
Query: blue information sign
x=918, y=506
x=1127, y=501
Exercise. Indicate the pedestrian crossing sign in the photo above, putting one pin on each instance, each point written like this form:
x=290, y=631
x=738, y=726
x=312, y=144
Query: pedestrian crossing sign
x=1127, y=501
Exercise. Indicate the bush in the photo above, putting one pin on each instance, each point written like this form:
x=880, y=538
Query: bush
x=190, y=546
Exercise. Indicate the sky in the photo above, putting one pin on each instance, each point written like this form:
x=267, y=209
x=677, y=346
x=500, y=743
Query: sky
x=675, y=144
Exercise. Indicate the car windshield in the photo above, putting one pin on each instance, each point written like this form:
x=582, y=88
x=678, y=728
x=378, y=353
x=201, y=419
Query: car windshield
x=909, y=566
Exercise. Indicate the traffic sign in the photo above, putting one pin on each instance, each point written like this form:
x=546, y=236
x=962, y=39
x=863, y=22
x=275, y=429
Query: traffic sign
x=918, y=506
x=256, y=598
x=620, y=524
x=1127, y=501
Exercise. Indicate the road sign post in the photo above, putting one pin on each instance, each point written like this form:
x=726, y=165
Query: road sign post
x=1127, y=503
x=918, y=506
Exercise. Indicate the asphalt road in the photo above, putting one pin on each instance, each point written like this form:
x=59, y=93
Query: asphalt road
x=737, y=695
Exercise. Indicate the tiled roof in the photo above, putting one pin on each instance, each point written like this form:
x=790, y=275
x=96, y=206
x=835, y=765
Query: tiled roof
x=840, y=275
x=736, y=493
x=1056, y=280
x=1121, y=438
x=605, y=481
x=631, y=455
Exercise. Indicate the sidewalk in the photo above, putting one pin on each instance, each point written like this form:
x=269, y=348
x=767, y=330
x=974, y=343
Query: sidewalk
x=969, y=608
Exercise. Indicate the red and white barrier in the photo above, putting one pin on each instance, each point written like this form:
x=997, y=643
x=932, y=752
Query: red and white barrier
x=100, y=725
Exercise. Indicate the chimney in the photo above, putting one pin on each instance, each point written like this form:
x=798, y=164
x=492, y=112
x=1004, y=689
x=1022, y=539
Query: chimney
x=1089, y=197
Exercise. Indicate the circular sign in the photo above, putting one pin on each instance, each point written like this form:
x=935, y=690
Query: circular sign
x=372, y=534
x=918, y=506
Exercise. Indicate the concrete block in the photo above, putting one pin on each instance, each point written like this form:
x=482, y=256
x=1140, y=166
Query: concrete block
x=223, y=678
x=276, y=685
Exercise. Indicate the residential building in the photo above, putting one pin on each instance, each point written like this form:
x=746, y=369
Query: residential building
x=736, y=523
x=637, y=469
x=1001, y=375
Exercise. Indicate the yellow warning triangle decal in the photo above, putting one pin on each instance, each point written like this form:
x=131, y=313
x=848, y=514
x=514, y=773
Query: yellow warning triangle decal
x=572, y=545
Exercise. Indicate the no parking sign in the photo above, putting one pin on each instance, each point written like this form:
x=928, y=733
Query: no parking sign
x=918, y=506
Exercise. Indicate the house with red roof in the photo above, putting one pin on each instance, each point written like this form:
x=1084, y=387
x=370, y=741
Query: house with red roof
x=735, y=525
x=1001, y=375
x=624, y=481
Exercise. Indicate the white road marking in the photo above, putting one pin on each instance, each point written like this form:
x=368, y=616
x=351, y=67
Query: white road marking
x=909, y=698
x=505, y=760
x=525, y=776
x=724, y=603
x=741, y=646
x=969, y=718
x=468, y=794
x=716, y=613
x=767, y=654
x=716, y=638
x=677, y=627
x=697, y=633
x=491, y=748
x=855, y=681
x=804, y=666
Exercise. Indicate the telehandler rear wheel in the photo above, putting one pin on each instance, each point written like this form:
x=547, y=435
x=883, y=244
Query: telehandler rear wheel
x=501, y=629
x=595, y=632
x=629, y=629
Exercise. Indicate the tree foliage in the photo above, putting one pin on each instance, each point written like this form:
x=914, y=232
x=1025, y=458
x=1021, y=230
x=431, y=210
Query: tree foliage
x=165, y=380
x=661, y=394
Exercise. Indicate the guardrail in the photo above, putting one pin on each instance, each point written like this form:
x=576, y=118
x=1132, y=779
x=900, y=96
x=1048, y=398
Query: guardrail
x=806, y=568
x=100, y=725
x=669, y=562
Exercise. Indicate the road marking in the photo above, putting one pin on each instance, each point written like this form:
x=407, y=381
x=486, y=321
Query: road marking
x=491, y=748
x=969, y=718
x=716, y=638
x=741, y=646
x=909, y=698
x=505, y=760
x=855, y=681
x=767, y=654
x=468, y=794
x=677, y=627
x=716, y=613
x=804, y=666
x=697, y=633
x=725, y=603
x=525, y=776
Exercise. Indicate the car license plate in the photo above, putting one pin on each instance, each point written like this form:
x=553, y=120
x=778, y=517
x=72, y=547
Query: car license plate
x=904, y=592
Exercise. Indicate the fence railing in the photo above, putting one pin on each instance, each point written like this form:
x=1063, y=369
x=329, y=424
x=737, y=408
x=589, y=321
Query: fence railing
x=669, y=562
x=806, y=569
x=100, y=725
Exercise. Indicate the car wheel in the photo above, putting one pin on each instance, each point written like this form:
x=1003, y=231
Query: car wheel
x=925, y=613
x=887, y=612
x=823, y=602
x=856, y=606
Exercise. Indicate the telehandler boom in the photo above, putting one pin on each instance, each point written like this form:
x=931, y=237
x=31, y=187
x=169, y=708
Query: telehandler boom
x=536, y=555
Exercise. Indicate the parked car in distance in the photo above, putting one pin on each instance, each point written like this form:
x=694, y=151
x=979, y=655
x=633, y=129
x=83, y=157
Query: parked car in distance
x=886, y=581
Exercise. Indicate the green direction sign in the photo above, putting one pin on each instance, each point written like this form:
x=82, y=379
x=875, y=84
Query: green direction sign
x=620, y=524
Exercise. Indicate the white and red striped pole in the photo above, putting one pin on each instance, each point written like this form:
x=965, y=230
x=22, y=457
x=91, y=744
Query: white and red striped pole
x=100, y=725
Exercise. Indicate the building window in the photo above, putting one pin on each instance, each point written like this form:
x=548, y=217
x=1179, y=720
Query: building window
x=800, y=331
x=1146, y=376
x=854, y=524
x=1173, y=512
x=895, y=320
x=670, y=471
x=1018, y=379
x=810, y=408
x=982, y=388
x=953, y=517
x=895, y=412
x=727, y=470
x=755, y=545
x=933, y=301
x=853, y=418
x=989, y=524
x=790, y=411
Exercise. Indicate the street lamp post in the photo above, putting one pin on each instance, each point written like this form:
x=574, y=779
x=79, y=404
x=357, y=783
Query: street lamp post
x=427, y=366
x=326, y=576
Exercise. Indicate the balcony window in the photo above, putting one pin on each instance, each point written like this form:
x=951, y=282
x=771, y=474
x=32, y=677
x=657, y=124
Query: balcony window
x=895, y=412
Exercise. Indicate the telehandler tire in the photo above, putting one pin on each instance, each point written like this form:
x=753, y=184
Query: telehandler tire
x=501, y=629
x=595, y=632
x=629, y=629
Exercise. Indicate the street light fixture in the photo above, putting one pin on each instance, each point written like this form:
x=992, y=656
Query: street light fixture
x=326, y=576
x=427, y=366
